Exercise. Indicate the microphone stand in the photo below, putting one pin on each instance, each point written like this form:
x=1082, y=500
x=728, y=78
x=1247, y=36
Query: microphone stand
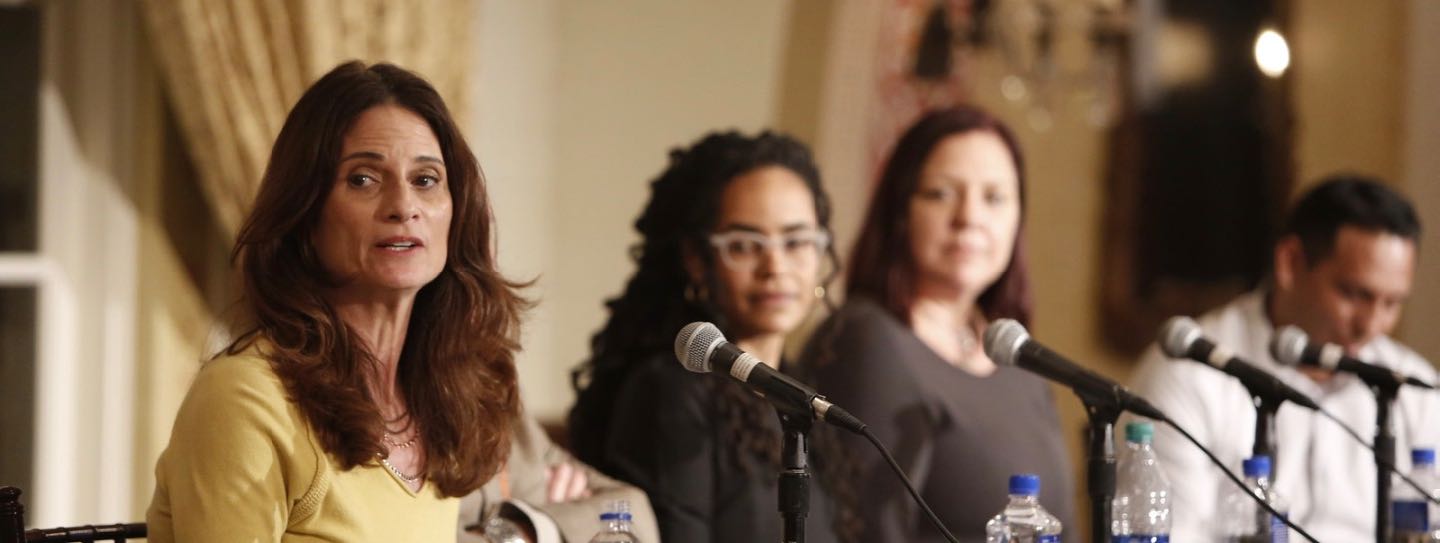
x=794, y=485
x=1265, y=407
x=1100, y=462
x=1385, y=393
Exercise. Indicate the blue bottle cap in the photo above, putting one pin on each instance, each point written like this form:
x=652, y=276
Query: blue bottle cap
x=1025, y=484
x=1422, y=456
x=1258, y=466
x=1140, y=432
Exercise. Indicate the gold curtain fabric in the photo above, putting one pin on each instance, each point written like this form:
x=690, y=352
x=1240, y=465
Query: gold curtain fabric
x=233, y=69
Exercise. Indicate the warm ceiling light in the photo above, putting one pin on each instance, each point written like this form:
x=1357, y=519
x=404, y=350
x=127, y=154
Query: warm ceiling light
x=1272, y=54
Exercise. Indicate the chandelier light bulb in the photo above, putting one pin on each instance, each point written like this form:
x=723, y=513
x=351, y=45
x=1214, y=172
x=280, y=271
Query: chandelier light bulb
x=1272, y=54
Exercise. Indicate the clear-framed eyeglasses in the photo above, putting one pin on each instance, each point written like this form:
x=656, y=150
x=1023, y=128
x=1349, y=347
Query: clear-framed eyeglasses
x=743, y=250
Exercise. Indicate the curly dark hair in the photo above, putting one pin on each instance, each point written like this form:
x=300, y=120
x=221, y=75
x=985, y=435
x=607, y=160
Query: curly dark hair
x=457, y=365
x=682, y=212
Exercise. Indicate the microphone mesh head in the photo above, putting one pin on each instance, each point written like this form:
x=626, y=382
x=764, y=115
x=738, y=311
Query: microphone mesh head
x=1178, y=334
x=1288, y=345
x=694, y=343
x=1003, y=339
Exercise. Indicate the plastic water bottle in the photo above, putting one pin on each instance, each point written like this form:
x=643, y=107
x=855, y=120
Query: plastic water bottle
x=1244, y=520
x=616, y=524
x=1023, y=520
x=1141, y=510
x=500, y=530
x=1414, y=516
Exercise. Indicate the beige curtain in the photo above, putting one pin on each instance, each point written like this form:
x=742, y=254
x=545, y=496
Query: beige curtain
x=233, y=68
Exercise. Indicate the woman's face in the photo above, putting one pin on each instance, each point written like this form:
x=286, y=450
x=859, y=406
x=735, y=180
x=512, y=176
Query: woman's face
x=385, y=226
x=964, y=214
x=768, y=250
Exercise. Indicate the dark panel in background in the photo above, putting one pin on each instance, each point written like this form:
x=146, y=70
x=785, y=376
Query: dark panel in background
x=19, y=232
x=17, y=385
x=20, y=119
x=1198, y=177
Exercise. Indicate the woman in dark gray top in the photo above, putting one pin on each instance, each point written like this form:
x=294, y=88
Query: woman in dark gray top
x=940, y=255
x=736, y=233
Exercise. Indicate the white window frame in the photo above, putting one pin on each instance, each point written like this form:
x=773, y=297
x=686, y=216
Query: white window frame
x=94, y=73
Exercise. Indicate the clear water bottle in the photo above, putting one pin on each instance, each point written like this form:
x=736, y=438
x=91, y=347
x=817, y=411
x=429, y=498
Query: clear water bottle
x=1243, y=520
x=495, y=527
x=501, y=530
x=615, y=523
x=1414, y=516
x=1023, y=520
x=1141, y=510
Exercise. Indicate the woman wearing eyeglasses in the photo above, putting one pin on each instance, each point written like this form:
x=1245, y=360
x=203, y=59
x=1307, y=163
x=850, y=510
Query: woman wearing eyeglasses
x=735, y=233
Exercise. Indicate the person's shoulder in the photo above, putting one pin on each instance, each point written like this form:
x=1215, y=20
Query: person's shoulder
x=863, y=309
x=237, y=407
x=1403, y=359
x=858, y=326
x=662, y=368
x=238, y=389
x=249, y=365
x=247, y=373
x=1239, y=316
x=659, y=381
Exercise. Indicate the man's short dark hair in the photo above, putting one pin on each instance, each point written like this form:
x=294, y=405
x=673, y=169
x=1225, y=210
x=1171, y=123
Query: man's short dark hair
x=1348, y=200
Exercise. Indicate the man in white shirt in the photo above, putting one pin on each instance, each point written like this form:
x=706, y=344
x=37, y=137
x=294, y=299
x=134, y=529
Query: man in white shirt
x=1342, y=269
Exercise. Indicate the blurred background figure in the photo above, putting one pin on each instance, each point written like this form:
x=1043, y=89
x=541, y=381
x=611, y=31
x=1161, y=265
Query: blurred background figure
x=541, y=484
x=1343, y=270
x=940, y=254
x=736, y=232
x=374, y=365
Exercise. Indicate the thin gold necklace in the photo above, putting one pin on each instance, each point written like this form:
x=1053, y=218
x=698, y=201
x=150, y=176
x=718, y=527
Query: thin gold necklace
x=407, y=444
x=409, y=479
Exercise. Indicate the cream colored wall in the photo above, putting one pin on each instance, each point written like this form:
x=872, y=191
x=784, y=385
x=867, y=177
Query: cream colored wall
x=514, y=133
x=1421, y=169
x=609, y=88
x=1348, y=74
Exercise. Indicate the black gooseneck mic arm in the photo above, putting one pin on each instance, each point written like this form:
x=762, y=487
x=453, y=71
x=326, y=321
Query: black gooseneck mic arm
x=1385, y=393
x=794, y=484
x=1100, y=464
x=1265, y=408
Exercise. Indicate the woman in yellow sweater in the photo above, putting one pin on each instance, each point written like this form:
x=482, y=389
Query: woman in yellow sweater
x=373, y=380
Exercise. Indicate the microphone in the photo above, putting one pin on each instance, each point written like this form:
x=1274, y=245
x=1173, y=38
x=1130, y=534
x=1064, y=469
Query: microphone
x=701, y=348
x=1008, y=343
x=1293, y=348
x=1182, y=338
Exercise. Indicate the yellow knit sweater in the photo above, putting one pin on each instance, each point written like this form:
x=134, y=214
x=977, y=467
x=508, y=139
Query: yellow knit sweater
x=243, y=465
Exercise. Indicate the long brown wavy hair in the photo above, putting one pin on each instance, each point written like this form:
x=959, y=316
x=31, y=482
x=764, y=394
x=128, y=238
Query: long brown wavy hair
x=882, y=267
x=457, y=365
x=644, y=319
